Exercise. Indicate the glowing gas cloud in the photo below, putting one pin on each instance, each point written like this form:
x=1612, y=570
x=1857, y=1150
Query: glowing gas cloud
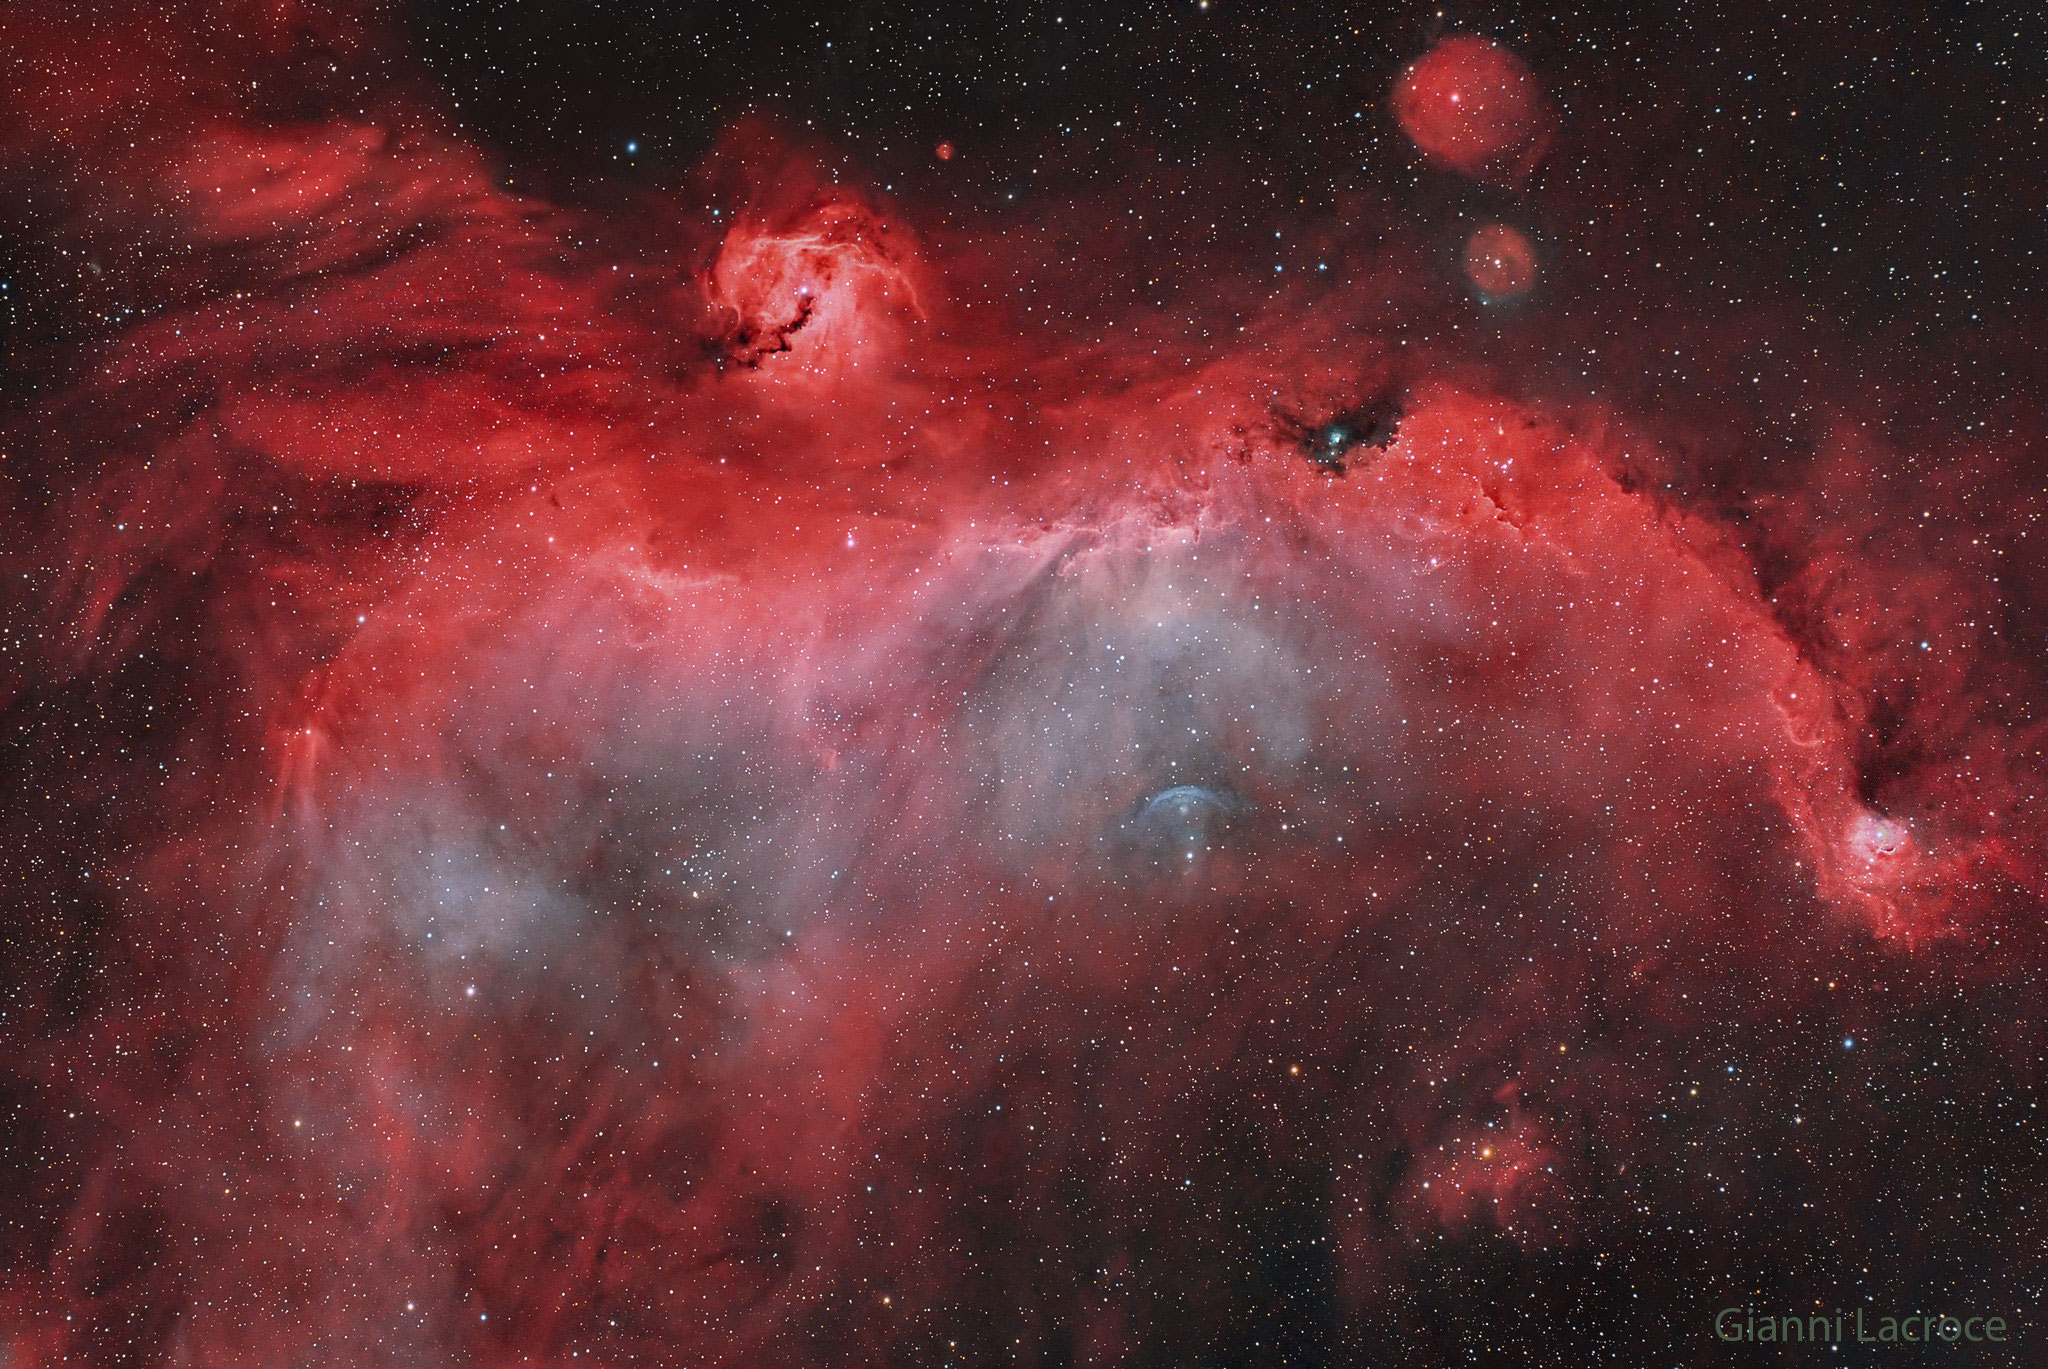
x=635, y=785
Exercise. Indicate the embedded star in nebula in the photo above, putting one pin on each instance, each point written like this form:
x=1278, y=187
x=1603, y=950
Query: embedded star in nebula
x=946, y=688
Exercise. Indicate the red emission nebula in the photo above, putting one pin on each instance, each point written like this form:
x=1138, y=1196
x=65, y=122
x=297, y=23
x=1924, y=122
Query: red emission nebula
x=679, y=778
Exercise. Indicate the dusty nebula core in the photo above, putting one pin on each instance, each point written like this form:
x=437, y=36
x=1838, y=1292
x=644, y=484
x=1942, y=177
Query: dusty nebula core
x=1171, y=688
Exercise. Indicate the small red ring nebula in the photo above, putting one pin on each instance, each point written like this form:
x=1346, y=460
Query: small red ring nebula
x=1501, y=261
x=1474, y=107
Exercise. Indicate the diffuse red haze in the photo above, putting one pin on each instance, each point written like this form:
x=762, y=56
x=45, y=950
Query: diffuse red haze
x=724, y=807
x=1501, y=261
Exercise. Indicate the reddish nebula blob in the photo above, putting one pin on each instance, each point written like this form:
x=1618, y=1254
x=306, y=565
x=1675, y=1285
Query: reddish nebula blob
x=944, y=151
x=1474, y=107
x=1501, y=261
x=831, y=284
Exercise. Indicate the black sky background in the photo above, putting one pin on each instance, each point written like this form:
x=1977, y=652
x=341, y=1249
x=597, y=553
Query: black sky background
x=1884, y=163
x=1885, y=160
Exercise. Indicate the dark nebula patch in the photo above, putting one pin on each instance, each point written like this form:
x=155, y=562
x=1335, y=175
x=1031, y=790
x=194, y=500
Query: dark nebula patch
x=1337, y=441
